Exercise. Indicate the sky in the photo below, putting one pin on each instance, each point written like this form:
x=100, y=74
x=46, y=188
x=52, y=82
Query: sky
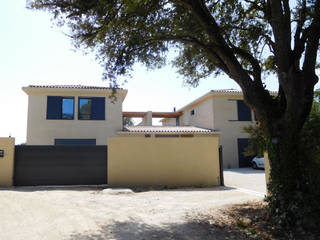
x=36, y=52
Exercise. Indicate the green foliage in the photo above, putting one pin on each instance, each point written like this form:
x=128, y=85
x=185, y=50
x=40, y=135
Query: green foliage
x=127, y=121
x=300, y=214
x=257, y=141
x=122, y=32
x=241, y=38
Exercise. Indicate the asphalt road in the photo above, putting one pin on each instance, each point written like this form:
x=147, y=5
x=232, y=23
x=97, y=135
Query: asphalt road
x=246, y=179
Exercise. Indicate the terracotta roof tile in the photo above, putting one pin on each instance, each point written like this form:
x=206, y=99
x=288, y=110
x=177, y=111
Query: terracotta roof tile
x=166, y=129
x=71, y=87
x=232, y=90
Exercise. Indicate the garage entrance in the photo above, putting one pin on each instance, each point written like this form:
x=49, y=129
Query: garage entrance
x=60, y=165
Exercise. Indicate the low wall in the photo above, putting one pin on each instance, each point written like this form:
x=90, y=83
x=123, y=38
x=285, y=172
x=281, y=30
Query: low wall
x=267, y=169
x=6, y=162
x=139, y=161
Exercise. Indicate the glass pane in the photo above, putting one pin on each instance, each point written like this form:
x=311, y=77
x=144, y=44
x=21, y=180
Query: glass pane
x=67, y=108
x=85, y=108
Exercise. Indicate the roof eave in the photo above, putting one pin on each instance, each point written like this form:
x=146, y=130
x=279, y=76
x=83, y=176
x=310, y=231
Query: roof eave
x=29, y=90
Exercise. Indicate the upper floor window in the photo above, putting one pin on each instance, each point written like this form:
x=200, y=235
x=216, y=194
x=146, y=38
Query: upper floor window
x=244, y=112
x=91, y=108
x=192, y=112
x=60, y=107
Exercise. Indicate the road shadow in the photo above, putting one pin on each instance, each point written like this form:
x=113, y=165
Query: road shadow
x=133, y=230
x=102, y=187
x=181, y=189
x=245, y=170
x=55, y=188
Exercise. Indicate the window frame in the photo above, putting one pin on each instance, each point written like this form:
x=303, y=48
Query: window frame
x=237, y=109
x=79, y=114
x=243, y=103
x=72, y=108
x=60, y=107
x=92, y=102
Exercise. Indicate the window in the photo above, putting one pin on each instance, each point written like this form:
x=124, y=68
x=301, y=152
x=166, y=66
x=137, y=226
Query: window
x=244, y=112
x=177, y=121
x=63, y=141
x=192, y=112
x=166, y=135
x=91, y=108
x=186, y=135
x=60, y=107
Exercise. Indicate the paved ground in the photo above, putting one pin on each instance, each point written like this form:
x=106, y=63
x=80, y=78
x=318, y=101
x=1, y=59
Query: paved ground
x=83, y=214
x=246, y=179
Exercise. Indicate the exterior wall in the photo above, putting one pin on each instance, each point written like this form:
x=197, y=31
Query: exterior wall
x=218, y=112
x=7, y=162
x=170, y=122
x=225, y=121
x=267, y=168
x=163, y=161
x=41, y=131
x=203, y=115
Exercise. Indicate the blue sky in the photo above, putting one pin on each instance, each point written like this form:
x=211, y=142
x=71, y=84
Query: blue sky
x=35, y=51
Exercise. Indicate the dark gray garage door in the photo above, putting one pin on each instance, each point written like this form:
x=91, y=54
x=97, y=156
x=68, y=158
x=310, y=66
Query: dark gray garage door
x=60, y=165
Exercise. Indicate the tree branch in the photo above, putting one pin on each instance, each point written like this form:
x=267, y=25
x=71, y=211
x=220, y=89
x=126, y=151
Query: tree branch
x=192, y=40
x=313, y=38
x=254, y=62
x=221, y=48
x=281, y=26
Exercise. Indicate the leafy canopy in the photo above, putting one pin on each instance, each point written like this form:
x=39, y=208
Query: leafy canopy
x=208, y=35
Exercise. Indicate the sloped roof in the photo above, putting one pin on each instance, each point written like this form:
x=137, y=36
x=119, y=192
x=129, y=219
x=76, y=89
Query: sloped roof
x=212, y=93
x=166, y=129
x=71, y=87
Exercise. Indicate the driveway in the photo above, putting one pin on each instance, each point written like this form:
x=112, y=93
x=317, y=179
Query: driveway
x=246, y=179
x=82, y=213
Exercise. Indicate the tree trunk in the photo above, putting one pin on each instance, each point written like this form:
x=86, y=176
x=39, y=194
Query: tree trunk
x=289, y=177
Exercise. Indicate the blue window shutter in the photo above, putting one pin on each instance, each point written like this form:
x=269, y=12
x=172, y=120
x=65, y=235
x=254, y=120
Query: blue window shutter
x=244, y=112
x=98, y=107
x=54, y=107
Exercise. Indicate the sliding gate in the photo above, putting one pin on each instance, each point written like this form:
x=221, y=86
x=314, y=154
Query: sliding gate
x=60, y=165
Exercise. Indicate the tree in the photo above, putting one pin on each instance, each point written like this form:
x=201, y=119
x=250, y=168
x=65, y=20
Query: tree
x=245, y=39
x=127, y=121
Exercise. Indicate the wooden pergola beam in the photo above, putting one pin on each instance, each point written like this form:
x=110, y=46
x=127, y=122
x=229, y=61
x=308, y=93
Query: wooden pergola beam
x=154, y=114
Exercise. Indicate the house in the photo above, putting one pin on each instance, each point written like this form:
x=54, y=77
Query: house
x=225, y=111
x=73, y=114
x=143, y=155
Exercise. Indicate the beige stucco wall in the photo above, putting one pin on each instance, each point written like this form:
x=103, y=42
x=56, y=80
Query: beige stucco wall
x=7, y=162
x=225, y=112
x=41, y=131
x=139, y=161
x=203, y=115
x=218, y=112
x=267, y=167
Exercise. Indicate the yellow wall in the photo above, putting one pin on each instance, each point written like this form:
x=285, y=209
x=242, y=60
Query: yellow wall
x=267, y=168
x=7, y=162
x=138, y=161
x=225, y=109
x=41, y=131
x=215, y=111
